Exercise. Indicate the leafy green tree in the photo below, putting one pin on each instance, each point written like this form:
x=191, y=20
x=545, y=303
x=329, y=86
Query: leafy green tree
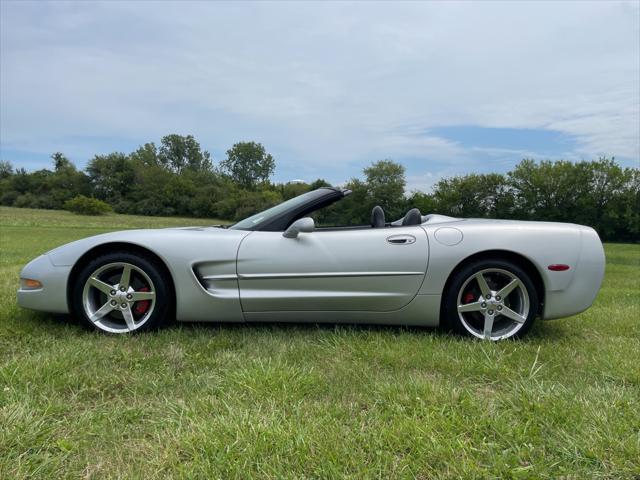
x=60, y=162
x=66, y=181
x=385, y=182
x=383, y=185
x=293, y=189
x=178, y=153
x=484, y=195
x=548, y=190
x=6, y=169
x=607, y=182
x=21, y=181
x=319, y=183
x=596, y=193
x=112, y=176
x=43, y=188
x=629, y=225
x=146, y=195
x=615, y=201
x=243, y=203
x=248, y=164
x=424, y=202
x=146, y=156
x=353, y=210
x=7, y=193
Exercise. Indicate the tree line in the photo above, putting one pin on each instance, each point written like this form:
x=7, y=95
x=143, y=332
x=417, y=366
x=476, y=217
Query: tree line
x=178, y=177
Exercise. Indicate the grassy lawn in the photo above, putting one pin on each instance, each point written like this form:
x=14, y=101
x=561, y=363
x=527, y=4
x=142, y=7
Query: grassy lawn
x=303, y=401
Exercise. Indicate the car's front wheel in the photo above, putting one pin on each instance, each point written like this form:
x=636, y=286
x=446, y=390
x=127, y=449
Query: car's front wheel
x=120, y=292
x=492, y=300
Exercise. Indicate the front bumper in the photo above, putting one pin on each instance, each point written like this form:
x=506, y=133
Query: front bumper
x=52, y=296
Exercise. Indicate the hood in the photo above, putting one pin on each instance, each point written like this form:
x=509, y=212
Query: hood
x=156, y=240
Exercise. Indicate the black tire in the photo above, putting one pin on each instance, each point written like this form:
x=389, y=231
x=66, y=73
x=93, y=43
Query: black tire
x=162, y=309
x=463, y=278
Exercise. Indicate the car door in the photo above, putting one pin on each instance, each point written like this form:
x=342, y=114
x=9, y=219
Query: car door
x=368, y=269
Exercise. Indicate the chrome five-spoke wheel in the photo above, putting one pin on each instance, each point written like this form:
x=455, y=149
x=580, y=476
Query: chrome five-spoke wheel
x=493, y=304
x=492, y=300
x=118, y=297
x=123, y=292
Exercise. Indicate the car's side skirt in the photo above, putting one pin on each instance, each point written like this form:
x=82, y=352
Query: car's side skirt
x=423, y=310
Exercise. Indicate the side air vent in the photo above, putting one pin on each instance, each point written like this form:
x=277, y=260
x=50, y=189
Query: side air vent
x=218, y=278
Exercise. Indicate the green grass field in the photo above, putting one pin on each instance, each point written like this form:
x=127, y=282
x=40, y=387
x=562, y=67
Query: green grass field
x=306, y=401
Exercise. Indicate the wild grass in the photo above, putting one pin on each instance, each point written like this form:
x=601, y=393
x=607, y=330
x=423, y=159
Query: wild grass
x=307, y=401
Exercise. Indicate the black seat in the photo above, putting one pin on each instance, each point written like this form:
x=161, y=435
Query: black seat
x=413, y=217
x=377, y=217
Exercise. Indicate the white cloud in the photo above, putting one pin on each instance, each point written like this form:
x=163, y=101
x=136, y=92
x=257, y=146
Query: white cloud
x=327, y=87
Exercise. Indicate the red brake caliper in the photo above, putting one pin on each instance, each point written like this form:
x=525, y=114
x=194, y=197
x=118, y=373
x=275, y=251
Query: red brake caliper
x=143, y=305
x=468, y=298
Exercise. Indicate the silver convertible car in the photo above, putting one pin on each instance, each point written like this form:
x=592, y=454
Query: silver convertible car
x=485, y=278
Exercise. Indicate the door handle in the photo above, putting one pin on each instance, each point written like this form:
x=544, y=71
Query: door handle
x=401, y=239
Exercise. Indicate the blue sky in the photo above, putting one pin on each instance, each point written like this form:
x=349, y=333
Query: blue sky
x=327, y=87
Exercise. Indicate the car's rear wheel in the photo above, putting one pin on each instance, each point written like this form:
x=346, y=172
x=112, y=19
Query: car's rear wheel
x=492, y=300
x=122, y=293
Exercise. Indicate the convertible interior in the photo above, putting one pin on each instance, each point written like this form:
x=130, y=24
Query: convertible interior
x=412, y=217
x=378, y=219
x=280, y=217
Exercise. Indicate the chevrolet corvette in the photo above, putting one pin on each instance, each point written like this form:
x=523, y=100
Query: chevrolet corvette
x=484, y=278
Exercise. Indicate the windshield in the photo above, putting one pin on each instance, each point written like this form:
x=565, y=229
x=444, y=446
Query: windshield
x=266, y=215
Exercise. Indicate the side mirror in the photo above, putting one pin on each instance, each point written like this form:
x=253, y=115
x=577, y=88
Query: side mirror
x=301, y=225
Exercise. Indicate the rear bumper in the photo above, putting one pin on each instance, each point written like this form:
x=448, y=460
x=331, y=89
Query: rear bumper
x=585, y=284
x=52, y=297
